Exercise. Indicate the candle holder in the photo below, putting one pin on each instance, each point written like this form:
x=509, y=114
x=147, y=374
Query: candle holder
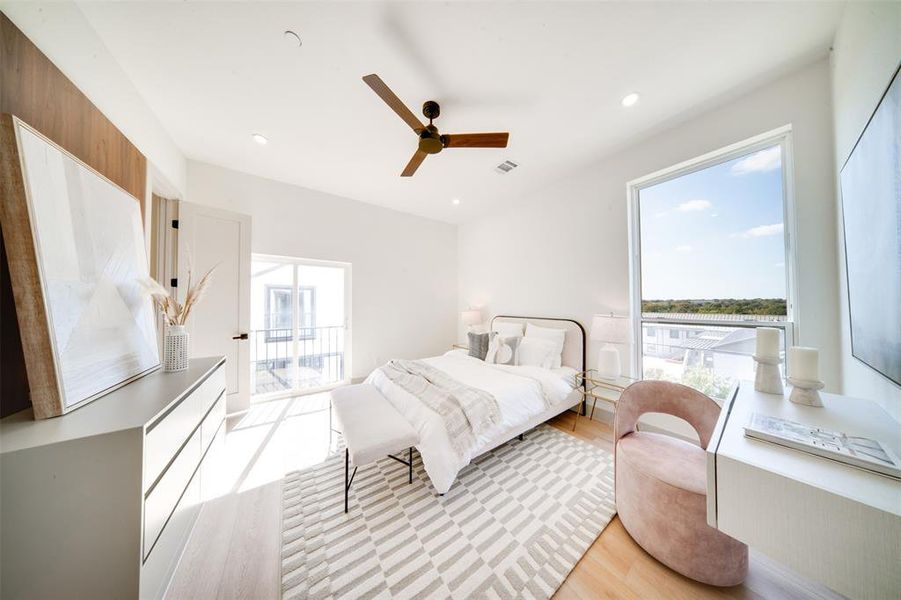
x=806, y=392
x=768, y=379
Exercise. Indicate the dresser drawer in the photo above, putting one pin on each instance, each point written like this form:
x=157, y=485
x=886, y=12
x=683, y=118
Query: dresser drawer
x=210, y=390
x=165, y=495
x=211, y=423
x=162, y=560
x=165, y=437
x=213, y=480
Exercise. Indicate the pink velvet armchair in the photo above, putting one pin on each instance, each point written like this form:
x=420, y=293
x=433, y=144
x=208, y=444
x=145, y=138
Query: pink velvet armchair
x=661, y=485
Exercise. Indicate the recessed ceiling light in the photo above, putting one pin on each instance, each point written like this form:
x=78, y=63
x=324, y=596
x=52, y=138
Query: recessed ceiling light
x=455, y=201
x=292, y=38
x=630, y=99
x=259, y=138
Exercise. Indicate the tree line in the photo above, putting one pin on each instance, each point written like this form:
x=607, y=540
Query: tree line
x=723, y=306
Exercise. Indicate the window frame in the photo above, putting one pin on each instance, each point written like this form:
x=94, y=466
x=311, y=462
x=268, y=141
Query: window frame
x=782, y=137
x=271, y=337
x=270, y=289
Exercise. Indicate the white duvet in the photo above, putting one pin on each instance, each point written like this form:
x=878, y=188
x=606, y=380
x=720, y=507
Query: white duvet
x=522, y=393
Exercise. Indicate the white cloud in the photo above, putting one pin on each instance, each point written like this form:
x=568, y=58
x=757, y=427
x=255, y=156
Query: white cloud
x=759, y=162
x=763, y=231
x=687, y=206
x=693, y=205
x=683, y=249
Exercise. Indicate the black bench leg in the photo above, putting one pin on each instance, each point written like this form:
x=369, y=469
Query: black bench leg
x=410, y=457
x=348, y=476
x=520, y=437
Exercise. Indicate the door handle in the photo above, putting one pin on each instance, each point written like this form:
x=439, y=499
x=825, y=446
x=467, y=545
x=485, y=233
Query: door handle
x=243, y=336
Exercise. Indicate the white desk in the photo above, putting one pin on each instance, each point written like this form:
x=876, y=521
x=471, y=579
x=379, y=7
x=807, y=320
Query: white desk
x=834, y=523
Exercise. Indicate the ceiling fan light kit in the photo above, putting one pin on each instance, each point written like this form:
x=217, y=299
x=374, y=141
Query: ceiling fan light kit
x=431, y=141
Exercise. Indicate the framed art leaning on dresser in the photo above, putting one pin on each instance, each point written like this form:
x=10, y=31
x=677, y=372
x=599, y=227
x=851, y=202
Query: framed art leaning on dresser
x=75, y=245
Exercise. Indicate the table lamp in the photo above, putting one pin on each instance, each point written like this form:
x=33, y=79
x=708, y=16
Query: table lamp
x=610, y=329
x=470, y=317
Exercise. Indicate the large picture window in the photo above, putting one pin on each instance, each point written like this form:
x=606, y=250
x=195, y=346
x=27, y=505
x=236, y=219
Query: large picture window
x=711, y=262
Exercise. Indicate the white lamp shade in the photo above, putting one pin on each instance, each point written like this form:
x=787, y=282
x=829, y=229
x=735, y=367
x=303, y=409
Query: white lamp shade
x=471, y=317
x=610, y=328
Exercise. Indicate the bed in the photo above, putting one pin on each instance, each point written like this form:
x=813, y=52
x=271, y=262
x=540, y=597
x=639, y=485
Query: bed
x=526, y=397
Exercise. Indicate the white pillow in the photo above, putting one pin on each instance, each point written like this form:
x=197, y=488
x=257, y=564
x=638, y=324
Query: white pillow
x=506, y=329
x=536, y=352
x=548, y=333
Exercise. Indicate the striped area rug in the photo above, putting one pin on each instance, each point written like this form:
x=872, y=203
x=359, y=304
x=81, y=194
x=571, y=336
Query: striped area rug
x=513, y=525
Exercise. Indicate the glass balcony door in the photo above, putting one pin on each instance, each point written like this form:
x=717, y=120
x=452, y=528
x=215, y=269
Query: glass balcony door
x=299, y=321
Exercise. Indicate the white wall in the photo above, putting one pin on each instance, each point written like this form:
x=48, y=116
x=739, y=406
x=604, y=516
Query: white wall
x=63, y=33
x=564, y=250
x=866, y=52
x=404, y=293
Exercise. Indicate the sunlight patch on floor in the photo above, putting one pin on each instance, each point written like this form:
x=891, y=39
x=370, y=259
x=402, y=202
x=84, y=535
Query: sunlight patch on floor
x=274, y=438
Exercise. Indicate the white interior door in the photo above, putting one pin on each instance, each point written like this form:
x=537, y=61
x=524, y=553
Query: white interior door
x=207, y=238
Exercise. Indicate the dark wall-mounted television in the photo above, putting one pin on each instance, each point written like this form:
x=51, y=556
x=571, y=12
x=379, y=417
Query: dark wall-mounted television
x=871, y=208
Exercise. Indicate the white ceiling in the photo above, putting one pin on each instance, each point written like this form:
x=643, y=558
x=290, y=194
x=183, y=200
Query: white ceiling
x=551, y=73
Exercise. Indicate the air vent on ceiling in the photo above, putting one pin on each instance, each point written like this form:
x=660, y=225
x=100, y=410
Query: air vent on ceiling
x=506, y=166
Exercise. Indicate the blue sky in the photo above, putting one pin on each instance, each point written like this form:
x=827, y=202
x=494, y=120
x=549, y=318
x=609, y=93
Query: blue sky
x=716, y=233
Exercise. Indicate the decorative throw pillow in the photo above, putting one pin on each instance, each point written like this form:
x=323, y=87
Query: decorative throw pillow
x=502, y=350
x=507, y=329
x=557, y=336
x=478, y=344
x=536, y=352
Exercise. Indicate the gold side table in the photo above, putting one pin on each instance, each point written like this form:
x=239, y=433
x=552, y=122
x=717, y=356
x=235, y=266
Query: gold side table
x=591, y=385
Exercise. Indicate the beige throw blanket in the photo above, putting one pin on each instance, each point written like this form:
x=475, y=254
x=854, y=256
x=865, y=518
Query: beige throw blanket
x=467, y=412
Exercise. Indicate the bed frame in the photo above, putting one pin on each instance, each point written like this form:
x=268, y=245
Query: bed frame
x=573, y=356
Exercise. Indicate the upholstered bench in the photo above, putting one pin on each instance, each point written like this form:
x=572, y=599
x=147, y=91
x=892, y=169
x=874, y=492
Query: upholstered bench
x=372, y=428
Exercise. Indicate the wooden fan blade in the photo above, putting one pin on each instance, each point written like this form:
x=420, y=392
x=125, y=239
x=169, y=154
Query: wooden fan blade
x=384, y=92
x=475, y=140
x=414, y=163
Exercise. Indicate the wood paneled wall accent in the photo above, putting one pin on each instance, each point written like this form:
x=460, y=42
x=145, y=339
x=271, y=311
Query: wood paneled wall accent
x=21, y=255
x=35, y=90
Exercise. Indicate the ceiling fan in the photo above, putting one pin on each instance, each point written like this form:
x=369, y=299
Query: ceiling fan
x=430, y=141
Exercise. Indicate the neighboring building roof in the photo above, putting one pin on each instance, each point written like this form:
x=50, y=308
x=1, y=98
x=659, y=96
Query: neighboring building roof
x=721, y=339
x=698, y=343
x=737, y=336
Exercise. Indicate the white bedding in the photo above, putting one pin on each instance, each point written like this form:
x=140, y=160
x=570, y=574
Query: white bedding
x=522, y=394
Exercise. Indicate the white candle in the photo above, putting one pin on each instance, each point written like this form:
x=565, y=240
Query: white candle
x=804, y=363
x=767, y=342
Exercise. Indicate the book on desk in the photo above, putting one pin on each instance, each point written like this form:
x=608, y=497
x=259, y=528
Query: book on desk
x=857, y=451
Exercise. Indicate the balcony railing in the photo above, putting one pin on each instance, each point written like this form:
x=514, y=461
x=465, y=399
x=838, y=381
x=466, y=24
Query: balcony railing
x=282, y=362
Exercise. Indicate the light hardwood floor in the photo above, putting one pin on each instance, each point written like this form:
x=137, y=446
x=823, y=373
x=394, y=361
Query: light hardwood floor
x=234, y=549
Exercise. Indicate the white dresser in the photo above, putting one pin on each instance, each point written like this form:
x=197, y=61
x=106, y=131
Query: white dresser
x=99, y=503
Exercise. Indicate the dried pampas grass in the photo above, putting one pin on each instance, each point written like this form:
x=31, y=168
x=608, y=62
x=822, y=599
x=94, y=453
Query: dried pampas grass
x=173, y=312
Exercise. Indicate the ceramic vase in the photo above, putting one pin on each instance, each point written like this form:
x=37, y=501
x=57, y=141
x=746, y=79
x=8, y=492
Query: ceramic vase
x=175, y=349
